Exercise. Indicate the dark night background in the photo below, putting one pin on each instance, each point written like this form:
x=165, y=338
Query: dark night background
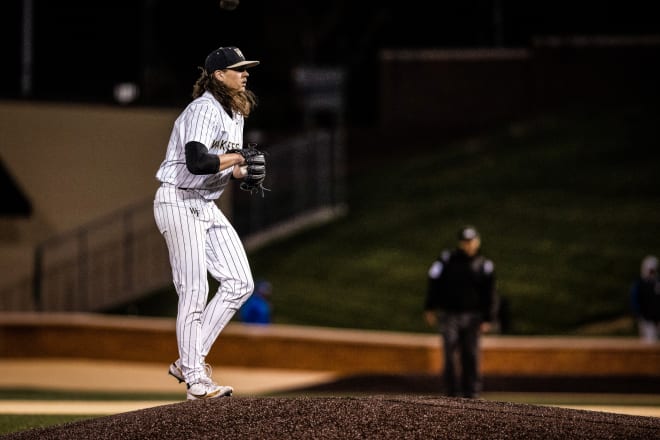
x=82, y=49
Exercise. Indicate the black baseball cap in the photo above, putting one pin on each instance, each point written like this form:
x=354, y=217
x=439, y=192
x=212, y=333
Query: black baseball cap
x=467, y=233
x=229, y=57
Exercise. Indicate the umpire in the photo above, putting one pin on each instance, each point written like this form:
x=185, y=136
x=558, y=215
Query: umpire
x=460, y=302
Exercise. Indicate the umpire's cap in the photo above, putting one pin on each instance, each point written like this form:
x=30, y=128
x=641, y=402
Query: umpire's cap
x=467, y=233
x=649, y=267
x=229, y=57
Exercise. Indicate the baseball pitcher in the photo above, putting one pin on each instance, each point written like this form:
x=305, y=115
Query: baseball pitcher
x=205, y=152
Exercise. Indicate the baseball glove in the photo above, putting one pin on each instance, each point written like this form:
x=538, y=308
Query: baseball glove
x=255, y=163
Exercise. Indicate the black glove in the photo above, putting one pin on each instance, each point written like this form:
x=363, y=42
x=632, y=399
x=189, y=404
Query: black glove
x=255, y=163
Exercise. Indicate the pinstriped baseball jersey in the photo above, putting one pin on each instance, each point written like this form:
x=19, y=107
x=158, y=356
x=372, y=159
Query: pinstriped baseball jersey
x=199, y=237
x=204, y=121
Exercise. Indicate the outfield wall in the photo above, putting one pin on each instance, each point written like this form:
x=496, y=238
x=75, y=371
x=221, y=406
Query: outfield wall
x=344, y=351
x=436, y=92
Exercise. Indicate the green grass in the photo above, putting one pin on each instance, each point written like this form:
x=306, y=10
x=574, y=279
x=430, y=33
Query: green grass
x=15, y=423
x=58, y=395
x=567, y=205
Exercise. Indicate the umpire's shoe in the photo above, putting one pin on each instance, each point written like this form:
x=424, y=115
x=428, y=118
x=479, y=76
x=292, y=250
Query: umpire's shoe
x=207, y=389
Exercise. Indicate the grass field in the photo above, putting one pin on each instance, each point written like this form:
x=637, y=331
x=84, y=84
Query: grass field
x=567, y=205
x=21, y=422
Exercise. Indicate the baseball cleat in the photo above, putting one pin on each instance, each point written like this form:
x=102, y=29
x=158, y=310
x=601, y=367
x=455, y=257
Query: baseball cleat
x=207, y=389
x=176, y=372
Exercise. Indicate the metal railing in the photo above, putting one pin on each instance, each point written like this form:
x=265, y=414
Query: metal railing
x=102, y=264
x=123, y=257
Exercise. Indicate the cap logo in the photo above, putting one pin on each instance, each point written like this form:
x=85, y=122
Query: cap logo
x=468, y=234
x=239, y=53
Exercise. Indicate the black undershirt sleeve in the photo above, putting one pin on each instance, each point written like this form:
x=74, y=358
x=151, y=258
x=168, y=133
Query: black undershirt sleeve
x=199, y=161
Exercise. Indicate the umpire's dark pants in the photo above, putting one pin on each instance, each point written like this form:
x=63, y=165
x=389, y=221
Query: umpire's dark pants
x=461, y=340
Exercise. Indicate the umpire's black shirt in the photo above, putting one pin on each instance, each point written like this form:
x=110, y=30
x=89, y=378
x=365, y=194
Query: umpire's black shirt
x=460, y=283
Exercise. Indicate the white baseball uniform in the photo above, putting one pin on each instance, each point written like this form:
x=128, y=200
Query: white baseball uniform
x=198, y=235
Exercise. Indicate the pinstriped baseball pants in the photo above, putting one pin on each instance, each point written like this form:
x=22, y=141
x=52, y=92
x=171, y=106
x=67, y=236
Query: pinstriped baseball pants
x=201, y=240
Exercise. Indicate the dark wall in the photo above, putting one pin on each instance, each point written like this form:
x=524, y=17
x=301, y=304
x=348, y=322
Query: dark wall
x=602, y=71
x=453, y=91
x=463, y=91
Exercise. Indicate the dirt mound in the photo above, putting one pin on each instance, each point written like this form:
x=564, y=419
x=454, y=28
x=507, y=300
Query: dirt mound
x=374, y=417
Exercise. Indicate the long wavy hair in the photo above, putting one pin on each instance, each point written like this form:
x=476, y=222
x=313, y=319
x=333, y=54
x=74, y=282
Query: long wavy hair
x=232, y=100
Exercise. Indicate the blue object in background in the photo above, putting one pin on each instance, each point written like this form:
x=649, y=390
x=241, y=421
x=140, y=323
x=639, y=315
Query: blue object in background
x=257, y=309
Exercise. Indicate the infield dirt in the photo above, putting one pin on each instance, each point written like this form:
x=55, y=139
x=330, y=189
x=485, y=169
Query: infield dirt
x=372, y=417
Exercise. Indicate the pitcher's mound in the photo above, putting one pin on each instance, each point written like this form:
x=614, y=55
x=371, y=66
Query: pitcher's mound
x=375, y=417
